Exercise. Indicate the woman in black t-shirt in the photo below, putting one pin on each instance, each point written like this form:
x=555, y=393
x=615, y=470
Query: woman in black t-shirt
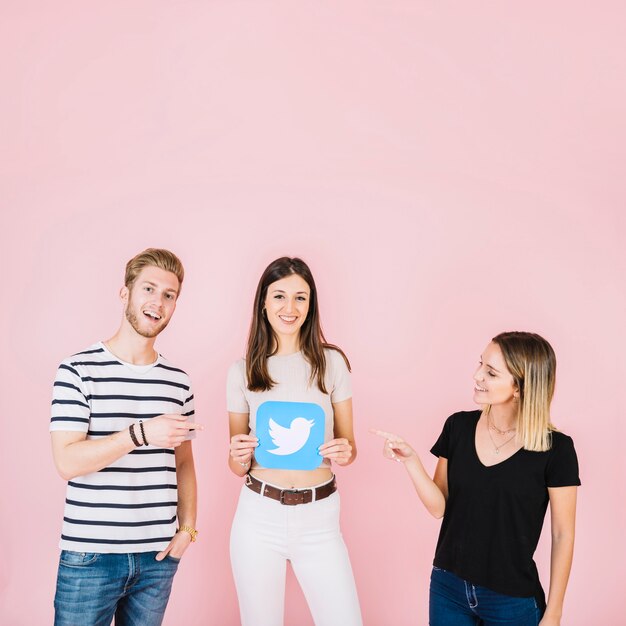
x=498, y=469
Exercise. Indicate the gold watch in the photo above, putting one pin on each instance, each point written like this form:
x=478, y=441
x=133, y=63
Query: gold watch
x=188, y=529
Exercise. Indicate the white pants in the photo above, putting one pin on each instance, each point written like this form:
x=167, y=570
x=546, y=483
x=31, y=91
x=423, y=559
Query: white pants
x=266, y=534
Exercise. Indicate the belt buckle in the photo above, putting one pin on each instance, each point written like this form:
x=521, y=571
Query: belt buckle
x=299, y=500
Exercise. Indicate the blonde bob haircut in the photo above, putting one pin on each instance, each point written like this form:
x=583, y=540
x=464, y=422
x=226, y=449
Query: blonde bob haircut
x=531, y=361
x=154, y=257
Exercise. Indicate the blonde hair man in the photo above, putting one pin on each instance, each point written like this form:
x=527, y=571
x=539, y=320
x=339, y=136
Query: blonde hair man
x=121, y=436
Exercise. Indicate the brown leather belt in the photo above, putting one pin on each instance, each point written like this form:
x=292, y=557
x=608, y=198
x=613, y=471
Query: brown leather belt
x=291, y=497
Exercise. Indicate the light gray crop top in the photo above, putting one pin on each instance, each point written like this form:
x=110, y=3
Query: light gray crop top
x=291, y=373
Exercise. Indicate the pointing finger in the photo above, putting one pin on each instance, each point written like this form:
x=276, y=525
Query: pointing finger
x=386, y=435
x=191, y=426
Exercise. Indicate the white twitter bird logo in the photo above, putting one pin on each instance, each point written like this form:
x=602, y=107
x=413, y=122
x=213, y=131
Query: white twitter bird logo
x=290, y=440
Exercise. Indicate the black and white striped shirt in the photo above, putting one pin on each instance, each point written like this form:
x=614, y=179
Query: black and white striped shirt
x=129, y=506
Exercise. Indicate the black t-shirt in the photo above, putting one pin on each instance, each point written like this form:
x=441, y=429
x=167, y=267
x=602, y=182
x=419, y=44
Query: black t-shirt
x=494, y=515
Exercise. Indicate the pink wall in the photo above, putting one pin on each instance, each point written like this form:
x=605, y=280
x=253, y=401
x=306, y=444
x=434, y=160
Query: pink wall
x=449, y=170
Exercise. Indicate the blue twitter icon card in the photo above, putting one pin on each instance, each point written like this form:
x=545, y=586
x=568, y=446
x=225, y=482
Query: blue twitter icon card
x=289, y=435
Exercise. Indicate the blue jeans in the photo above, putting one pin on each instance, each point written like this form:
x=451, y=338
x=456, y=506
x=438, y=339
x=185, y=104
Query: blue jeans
x=456, y=602
x=93, y=587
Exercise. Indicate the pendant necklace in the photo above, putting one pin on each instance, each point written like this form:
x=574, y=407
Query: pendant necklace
x=501, y=432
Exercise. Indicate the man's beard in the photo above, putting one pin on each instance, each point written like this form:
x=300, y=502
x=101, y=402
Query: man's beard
x=134, y=322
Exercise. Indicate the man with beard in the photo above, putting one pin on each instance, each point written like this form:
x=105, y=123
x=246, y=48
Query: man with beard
x=121, y=437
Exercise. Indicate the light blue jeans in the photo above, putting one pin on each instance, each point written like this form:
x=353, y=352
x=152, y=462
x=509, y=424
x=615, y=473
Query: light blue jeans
x=92, y=588
x=456, y=602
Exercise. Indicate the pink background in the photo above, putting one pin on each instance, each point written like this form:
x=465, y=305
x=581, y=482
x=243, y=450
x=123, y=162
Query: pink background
x=449, y=170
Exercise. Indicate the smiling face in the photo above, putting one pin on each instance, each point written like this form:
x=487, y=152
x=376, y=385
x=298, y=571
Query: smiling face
x=151, y=301
x=287, y=305
x=494, y=384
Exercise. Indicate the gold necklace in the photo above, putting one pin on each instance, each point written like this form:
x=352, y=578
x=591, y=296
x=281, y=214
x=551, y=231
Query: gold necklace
x=497, y=448
x=494, y=427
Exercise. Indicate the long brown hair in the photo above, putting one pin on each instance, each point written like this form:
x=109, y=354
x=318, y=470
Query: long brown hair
x=262, y=340
x=531, y=361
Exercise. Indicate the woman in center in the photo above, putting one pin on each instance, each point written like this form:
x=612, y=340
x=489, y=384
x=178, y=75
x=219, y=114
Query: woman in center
x=290, y=413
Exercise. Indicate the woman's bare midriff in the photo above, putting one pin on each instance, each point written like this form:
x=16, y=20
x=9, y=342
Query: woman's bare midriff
x=293, y=479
